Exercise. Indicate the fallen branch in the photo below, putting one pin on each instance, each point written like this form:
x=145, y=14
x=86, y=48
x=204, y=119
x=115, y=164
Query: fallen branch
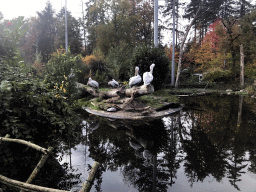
x=88, y=184
x=119, y=92
x=29, y=144
x=26, y=186
x=39, y=166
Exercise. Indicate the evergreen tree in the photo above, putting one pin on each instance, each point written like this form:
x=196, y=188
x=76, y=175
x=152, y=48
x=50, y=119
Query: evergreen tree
x=46, y=27
x=209, y=10
x=74, y=38
x=95, y=15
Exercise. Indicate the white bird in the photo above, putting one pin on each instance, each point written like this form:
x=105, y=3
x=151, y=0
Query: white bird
x=135, y=79
x=71, y=75
x=93, y=83
x=113, y=83
x=111, y=109
x=148, y=76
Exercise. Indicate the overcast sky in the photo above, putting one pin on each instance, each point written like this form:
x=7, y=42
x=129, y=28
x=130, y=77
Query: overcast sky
x=14, y=8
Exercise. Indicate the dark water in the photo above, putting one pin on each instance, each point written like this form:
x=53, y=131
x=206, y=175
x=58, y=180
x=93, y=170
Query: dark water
x=209, y=146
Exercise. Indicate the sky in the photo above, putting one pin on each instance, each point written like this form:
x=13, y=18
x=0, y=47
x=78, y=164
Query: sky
x=14, y=8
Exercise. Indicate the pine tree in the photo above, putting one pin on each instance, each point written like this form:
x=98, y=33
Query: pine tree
x=74, y=39
x=46, y=27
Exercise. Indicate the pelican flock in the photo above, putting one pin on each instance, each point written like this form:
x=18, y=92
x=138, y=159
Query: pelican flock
x=135, y=79
x=113, y=83
x=148, y=76
x=93, y=83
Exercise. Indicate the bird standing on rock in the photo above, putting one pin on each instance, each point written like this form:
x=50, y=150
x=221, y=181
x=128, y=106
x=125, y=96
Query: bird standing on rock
x=135, y=79
x=148, y=76
x=93, y=83
x=113, y=83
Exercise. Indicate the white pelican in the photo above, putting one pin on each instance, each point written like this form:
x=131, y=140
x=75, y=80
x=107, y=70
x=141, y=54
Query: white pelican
x=93, y=83
x=135, y=79
x=148, y=76
x=113, y=83
x=71, y=75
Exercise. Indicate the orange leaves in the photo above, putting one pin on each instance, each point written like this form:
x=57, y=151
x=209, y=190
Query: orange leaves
x=208, y=55
x=89, y=59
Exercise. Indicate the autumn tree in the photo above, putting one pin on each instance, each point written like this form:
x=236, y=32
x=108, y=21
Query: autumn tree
x=207, y=14
x=229, y=32
x=208, y=54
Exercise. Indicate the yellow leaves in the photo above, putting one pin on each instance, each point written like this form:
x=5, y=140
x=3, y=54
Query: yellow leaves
x=62, y=86
x=89, y=59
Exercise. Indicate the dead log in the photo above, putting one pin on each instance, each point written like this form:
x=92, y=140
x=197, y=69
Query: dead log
x=88, y=184
x=26, y=186
x=39, y=166
x=119, y=92
x=29, y=144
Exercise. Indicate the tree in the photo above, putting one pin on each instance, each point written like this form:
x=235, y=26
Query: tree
x=207, y=14
x=229, y=33
x=167, y=12
x=182, y=46
x=11, y=33
x=29, y=42
x=111, y=23
x=46, y=27
x=74, y=39
x=208, y=54
x=95, y=15
x=144, y=56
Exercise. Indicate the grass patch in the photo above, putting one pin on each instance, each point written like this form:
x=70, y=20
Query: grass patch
x=158, y=98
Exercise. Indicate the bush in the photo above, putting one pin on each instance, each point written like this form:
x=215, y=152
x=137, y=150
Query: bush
x=29, y=107
x=144, y=56
x=59, y=68
x=250, y=70
x=118, y=62
x=218, y=75
x=94, y=64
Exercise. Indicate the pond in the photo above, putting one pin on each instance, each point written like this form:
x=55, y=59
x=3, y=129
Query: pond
x=208, y=146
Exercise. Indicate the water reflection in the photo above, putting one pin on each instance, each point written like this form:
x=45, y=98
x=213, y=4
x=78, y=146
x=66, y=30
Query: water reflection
x=209, y=146
x=211, y=139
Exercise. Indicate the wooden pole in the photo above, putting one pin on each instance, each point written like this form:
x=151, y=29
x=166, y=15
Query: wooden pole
x=26, y=186
x=29, y=144
x=88, y=183
x=242, y=66
x=39, y=166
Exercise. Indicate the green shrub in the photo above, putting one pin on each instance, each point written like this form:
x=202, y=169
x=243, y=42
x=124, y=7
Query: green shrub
x=218, y=75
x=31, y=110
x=144, y=56
x=59, y=68
x=118, y=62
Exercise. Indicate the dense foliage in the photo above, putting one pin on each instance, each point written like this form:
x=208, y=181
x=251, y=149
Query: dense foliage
x=29, y=105
x=144, y=56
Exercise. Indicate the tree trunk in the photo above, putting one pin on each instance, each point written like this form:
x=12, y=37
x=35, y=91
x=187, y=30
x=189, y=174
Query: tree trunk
x=88, y=184
x=182, y=47
x=39, y=166
x=241, y=66
x=29, y=144
x=26, y=186
x=119, y=92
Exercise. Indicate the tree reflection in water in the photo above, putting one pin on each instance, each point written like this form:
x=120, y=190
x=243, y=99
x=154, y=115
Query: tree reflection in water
x=208, y=139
